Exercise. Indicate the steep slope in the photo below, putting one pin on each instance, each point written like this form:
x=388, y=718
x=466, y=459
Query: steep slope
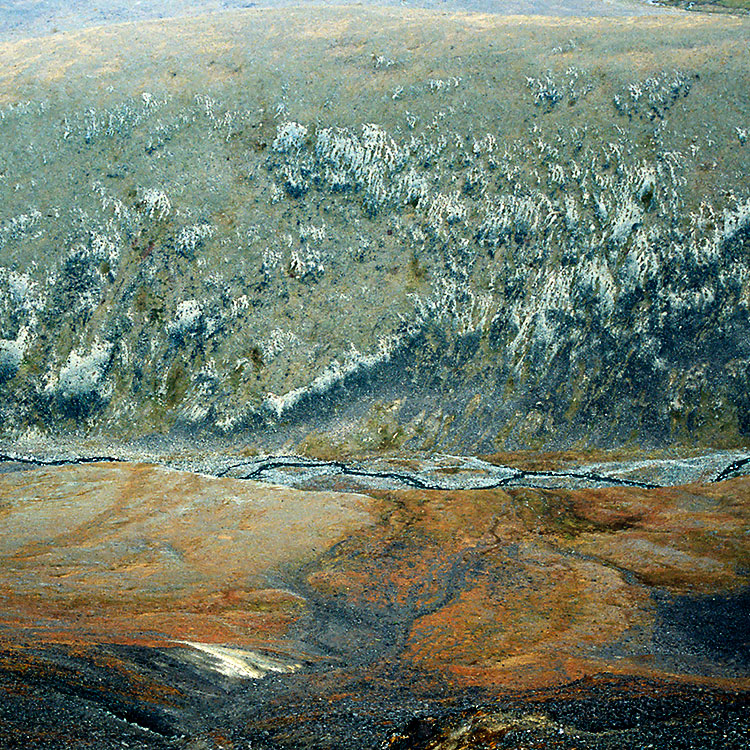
x=378, y=229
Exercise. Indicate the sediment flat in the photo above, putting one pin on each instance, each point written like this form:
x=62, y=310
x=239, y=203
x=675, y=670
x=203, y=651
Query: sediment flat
x=259, y=595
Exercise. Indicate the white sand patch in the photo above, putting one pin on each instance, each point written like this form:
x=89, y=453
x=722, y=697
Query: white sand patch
x=240, y=663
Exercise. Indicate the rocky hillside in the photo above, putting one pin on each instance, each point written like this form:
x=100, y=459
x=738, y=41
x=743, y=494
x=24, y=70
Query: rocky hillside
x=377, y=229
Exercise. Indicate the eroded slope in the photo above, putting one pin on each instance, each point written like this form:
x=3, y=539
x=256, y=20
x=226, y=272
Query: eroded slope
x=378, y=229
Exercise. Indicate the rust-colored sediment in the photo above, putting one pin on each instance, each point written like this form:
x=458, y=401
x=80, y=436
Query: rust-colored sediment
x=527, y=588
x=506, y=590
x=145, y=555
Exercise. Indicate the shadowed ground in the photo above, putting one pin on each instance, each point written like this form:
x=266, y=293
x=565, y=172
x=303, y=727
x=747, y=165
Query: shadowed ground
x=549, y=219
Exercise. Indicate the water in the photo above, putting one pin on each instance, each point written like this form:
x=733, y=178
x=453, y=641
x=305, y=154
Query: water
x=434, y=472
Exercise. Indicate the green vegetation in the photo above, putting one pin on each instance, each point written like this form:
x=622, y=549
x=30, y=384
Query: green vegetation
x=520, y=234
x=711, y=6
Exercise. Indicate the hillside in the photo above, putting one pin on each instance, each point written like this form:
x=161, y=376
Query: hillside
x=378, y=229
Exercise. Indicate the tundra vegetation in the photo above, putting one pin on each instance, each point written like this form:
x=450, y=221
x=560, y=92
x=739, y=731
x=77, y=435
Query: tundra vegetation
x=499, y=235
